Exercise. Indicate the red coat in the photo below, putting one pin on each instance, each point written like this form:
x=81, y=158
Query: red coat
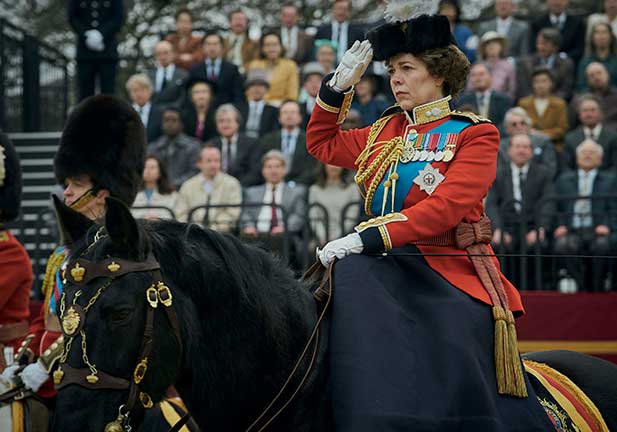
x=459, y=198
x=15, y=283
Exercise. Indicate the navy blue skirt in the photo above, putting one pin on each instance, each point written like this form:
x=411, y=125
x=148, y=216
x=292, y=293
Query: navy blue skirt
x=411, y=352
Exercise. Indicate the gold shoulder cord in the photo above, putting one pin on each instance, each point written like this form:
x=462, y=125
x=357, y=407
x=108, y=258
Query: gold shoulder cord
x=387, y=160
x=53, y=265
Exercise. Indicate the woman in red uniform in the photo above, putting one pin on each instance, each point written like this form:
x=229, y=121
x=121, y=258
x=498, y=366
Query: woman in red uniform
x=419, y=340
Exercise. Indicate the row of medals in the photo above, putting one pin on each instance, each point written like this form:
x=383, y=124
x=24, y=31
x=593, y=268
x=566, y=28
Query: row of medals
x=413, y=154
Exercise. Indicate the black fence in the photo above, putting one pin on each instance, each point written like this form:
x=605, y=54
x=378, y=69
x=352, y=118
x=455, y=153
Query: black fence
x=34, y=82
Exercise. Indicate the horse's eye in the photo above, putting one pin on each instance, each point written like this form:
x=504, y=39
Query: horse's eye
x=120, y=315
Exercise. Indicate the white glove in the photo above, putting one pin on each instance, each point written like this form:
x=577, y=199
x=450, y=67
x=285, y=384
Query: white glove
x=94, y=40
x=6, y=379
x=340, y=248
x=34, y=376
x=353, y=64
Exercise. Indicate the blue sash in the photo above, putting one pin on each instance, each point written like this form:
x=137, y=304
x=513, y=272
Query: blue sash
x=407, y=172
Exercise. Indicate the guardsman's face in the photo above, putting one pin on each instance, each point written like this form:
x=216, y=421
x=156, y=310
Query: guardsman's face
x=75, y=187
x=411, y=83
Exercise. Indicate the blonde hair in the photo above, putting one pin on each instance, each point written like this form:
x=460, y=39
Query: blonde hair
x=140, y=80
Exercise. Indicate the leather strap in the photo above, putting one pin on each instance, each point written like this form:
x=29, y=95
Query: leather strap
x=78, y=376
x=108, y=268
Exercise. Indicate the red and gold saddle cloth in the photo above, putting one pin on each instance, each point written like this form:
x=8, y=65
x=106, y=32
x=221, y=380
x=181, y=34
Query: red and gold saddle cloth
x=566, y=405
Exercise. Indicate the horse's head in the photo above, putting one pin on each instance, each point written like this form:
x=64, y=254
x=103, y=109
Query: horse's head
x=122, y=341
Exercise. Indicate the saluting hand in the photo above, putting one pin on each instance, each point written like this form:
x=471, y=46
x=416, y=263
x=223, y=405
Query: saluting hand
x=352, y=66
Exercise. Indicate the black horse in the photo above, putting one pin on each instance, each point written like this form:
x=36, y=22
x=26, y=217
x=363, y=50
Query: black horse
x=243, y=323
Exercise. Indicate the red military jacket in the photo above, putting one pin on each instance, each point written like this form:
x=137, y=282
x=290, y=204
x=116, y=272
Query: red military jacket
x=457, y=198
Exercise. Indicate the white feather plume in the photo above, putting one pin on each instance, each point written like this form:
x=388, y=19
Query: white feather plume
x=404, y=10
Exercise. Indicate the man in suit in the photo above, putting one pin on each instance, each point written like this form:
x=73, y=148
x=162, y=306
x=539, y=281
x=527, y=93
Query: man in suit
x=258, y=118
x=586, y=226
x=169, y=81
x=283, y=213
x=140, y=91
x=211, y=187
x=571, y=28
x=547, y=55
x=223, y=74
x=340, y=30
x=486, y=102
x=515, y=31
x=516, y=122
x=592, y=127
x=297, y=43
x=516, y=201
x=175, y=149
x=599, y=84
x=241, y=154
x=291, y=141
x=240, y=49
x=313, y=74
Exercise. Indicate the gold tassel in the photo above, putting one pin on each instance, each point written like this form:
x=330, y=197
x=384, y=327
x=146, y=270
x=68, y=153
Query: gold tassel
x=508, y=369
x=499, y=316
x=519, y=387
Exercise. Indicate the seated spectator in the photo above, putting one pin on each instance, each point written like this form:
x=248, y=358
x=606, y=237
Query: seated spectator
x=608, y=15
x=241, y=154
x=169, y=80
x=155, y=191
x=240, y=49
x=198, y=112
x=282, y=73
x=334, y=192
x=258, y=117
x=291, y=142
x=312, y=75
x=602, y=48
x=186, y=45
x=139, y=88
x=465, y=39
x=514, y=30
x=365, y=101
x=211, y=187
x=325, y=54
x=549, y=113
x=516, y=201
x=352, y=121
x=598, y=82
x=486, y=102
x=297, y=43
x=177, y=151
x=283, y=210
x=492, y=53
x=516, y=122
x=585, y=226
x=223, y=74
x=548, y=56
x=340, y=31
x=591, y=117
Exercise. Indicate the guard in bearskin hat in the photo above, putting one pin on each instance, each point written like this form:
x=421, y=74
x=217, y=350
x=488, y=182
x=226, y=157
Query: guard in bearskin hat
x=15, y=267
x=101, y=154
x=422, y=334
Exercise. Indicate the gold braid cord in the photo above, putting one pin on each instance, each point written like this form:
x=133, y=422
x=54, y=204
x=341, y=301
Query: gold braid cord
x=53, y=265
x=386, y=160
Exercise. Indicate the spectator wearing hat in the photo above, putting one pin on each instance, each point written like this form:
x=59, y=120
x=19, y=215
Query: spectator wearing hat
x=340, y=30
x=312, y=76
x=140, y=92
x=515, y=31
x=282, y=73
x=168, y=79
x=548, y=112
x=240, y=154
x=198, y=113
x=297, y=43
x=223, y=74
x=240, y=49
x=186, y=45
x=365, y=101
x=325, y=54
x=258, y=118
x=547, y=55
x=492, y=52
x=601, y=47
x=599, y=85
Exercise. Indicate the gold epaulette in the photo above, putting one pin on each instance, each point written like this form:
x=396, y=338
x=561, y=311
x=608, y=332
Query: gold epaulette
x=380, y=220
x=468, y=115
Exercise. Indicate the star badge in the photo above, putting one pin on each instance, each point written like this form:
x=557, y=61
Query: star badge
x=428, y=179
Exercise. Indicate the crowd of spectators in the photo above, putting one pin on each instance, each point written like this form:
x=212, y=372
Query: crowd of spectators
x=226, y=117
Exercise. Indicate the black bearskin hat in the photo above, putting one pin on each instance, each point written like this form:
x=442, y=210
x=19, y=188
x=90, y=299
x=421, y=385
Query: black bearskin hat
x=105, y=139
x=10, y=180
x=412, y=36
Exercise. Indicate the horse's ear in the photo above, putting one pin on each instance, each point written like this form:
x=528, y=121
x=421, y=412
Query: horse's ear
x=72, y=224
x=122, y=226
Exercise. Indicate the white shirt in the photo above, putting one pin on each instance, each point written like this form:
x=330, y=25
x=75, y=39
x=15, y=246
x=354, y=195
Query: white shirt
x=225, y=144
x=288, y=144
x=264, y=220
x=253, y=120
x=558, y=20
x=503, y=25
x=216, y=64
x=582, y=207
x=167, y=72
x=340, y=29
x=144, y=112
x=516, y=183
x=594, y=133
x=485, y=98
x=540, y=104
x=289, y=38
